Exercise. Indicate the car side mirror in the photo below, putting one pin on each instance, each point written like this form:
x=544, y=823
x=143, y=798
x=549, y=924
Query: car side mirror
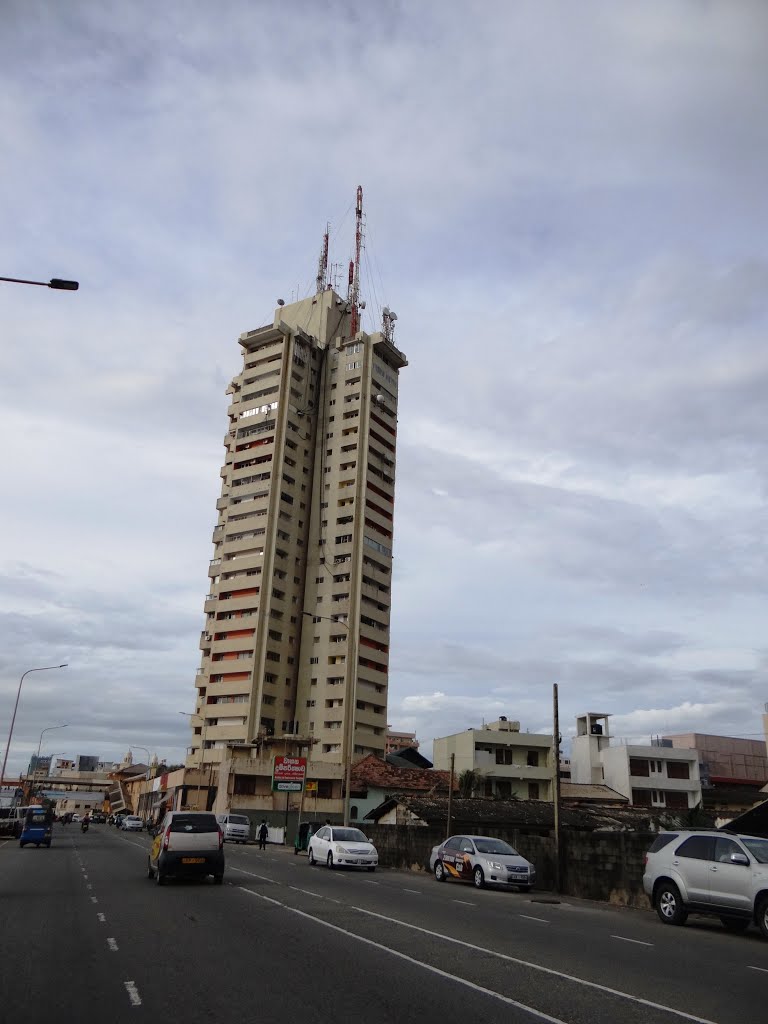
x=740, y=858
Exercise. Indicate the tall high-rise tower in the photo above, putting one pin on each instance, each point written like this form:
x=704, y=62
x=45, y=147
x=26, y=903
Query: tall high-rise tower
x=296, y=638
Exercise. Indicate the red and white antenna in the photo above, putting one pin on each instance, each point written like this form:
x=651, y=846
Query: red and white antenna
x=353, y=291
x=322, y=263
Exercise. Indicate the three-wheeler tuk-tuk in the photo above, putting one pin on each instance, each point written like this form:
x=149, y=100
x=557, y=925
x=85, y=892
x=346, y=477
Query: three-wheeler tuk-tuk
x=38, y=827
x=306, y=830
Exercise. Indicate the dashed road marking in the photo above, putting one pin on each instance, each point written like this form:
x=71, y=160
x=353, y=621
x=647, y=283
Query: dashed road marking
x=102, y=918
x=530, y=917
x=94, y=900
x=133, y=993
x=751, y=968
x=89, y=886
x=112, y=943
x=464, y=903
x=416, y=892
x=637, y=942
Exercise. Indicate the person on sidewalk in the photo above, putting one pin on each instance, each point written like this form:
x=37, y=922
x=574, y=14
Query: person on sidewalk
x=262, y=834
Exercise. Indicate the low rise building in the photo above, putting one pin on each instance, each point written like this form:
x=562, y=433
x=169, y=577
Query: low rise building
x=508, y=763
x=648, y=774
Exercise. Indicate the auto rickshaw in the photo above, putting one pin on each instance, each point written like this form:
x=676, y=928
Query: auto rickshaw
x=38, y=827
x=306, y=830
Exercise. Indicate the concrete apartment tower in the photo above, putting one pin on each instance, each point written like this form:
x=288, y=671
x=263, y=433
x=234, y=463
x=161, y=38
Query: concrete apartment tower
x=296, y=638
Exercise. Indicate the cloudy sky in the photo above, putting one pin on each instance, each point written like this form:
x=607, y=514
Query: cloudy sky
x=566, y=205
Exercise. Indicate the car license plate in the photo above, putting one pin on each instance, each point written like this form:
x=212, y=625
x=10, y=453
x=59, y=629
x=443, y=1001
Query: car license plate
x=193, y=860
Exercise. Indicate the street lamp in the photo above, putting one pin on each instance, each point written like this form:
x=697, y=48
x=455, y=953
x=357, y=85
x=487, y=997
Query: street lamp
x=45, y=668
x=56, y=282
x=189, y=714
x=350, y=703
x=40, y=743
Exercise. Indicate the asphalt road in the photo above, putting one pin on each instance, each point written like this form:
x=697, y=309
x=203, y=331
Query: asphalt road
x=84, y=935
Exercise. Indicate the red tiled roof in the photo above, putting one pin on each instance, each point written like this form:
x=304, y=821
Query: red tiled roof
x=373, y=771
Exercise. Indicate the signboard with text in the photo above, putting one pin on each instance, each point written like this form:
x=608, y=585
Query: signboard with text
x=288, y=774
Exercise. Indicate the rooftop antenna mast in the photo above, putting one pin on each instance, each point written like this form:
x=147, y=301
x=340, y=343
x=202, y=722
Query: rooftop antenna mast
x=353, y=290
x=322, y=263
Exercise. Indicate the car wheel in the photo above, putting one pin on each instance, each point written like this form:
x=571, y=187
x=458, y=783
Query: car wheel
x=524, y=888
x=762, y=917
x=159, y=877
x=329, y=862
x=669, y=904
x=311, y=857
x=22, y=845
x=150, y=872
x=48, y=845
x=373, y=868
x=734, y=924
x=478, y=878
x=218, y=879
x=440, y=871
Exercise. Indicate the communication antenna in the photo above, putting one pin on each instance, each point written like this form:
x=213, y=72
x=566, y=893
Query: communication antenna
x=353, y=290
x=388, y=317
x=322, y=263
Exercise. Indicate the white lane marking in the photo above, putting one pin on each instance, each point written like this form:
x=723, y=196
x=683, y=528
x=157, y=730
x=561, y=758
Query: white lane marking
x=89, y=886
x=530, y=917
x=464, y=903
x=370, y=881
x=264, y=878
x=637, y=942
x=133, y=993
x=112, y=943
x=751, y=968
x=411, y=960
x=536, y=967
x=94, y=900
x=307, y=892
x=417, y=892
x=102, y=918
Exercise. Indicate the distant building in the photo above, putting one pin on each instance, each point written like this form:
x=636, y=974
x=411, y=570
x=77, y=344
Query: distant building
x=649, y=775
x=400, y=740
x=509, y=763
x=725, y=759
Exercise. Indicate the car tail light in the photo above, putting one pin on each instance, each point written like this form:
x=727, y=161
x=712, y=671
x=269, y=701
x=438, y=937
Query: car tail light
x=166, y=838
x=221, y=839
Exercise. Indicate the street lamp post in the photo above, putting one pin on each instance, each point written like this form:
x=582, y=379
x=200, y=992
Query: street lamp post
x=56, y=282
x=45, y=668
x=39, y=745
x=350, y=704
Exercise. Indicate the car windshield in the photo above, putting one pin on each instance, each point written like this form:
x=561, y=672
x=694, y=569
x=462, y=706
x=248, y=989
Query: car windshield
x=495, y=846
x=758, y=848
x=239, y=819
x=194, y=823
x=348, y=835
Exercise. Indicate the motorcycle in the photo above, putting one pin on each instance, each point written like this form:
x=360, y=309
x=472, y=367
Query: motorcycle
x=84, y=826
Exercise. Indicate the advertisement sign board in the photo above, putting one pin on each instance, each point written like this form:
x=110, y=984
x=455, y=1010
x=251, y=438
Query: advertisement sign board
x=288, y=774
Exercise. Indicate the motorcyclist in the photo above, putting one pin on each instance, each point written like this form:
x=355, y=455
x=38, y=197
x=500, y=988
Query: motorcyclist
x=85, y=823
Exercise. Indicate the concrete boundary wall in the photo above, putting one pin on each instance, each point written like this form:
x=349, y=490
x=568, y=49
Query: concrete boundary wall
x=596, y=865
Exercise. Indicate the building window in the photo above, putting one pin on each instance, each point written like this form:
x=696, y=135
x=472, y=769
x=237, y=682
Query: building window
x=678, y=770
x=639, y=766
x=533, y=762
x=533, y=791
x=504, y=755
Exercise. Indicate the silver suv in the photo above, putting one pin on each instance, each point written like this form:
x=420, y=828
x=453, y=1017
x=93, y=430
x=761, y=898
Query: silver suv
x=709, y=873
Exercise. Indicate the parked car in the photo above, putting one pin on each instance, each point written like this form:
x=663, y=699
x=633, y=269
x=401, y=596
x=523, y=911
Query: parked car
x=236, y=827
x=187, y=843
x=701, y=872
x=482, y=860
x=132, y=823
x=339, y=846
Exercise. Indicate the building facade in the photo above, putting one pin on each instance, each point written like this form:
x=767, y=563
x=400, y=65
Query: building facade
x=508, y=763
x=296, y=637
x=400, y=740
x=649, y=775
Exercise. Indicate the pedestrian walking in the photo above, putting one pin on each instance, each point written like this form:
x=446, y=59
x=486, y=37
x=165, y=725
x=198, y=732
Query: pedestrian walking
x=262, y=834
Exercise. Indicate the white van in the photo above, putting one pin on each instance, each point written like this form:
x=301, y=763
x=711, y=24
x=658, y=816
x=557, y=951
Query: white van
x=236, y=827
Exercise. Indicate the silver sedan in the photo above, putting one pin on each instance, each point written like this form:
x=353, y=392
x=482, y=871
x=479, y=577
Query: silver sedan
x=481, y=860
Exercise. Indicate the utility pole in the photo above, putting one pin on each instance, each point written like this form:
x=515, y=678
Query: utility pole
x=450, y=798
x=556, y=788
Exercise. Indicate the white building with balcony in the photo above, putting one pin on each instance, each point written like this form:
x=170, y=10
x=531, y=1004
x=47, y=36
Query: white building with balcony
x=509, y=763
x=649, y=775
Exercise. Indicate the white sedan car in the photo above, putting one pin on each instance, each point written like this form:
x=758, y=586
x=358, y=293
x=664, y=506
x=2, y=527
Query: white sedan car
x=482, y=860
x=335, y=846
x=132, y=823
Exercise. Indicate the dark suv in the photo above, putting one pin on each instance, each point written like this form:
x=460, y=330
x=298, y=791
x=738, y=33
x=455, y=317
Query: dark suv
x=701, y=872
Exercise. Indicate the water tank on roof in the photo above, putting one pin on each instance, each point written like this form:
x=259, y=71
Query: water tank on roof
x=596, y=729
